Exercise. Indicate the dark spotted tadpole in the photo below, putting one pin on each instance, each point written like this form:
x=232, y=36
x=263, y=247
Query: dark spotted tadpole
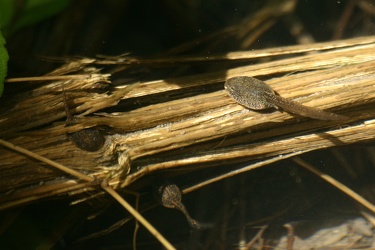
x=89, y=139
x=255, y=94
x=169, y=195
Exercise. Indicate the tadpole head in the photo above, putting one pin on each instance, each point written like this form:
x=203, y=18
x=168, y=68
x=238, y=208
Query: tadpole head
x=168, y=194
x=89, y=139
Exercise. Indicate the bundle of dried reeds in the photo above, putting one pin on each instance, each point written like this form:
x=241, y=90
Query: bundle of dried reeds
x=201, y=127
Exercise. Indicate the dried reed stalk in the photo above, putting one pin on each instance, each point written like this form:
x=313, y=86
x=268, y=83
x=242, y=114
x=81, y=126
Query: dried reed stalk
x=201, y=130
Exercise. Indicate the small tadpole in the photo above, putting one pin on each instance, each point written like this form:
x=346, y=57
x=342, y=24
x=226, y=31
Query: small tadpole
x=257, y=95
x=169, y=195
x=89, y=139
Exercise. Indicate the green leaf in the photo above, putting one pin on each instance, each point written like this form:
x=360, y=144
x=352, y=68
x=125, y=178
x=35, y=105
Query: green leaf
x=37, y=10
x=3, y=62
x=15, y=15
x=6, y=13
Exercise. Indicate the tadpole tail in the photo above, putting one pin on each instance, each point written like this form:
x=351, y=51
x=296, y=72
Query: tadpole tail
x=199, y=225
x=299, y=109
x=193, y=223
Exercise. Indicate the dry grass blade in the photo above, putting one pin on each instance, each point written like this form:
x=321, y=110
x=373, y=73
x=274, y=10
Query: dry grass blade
x=336, y=184
x=48, y=78
x=238, y=55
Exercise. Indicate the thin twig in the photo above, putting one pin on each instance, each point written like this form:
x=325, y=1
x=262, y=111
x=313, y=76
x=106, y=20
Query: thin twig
x=47, y=161
x=136, y=227
x=257, y=237
x=49, y=78
x=241, y=170
x=137, y=216
x=336, y=184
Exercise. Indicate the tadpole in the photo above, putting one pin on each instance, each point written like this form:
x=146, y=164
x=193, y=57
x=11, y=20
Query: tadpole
x=169, y=195
x=257, y=95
